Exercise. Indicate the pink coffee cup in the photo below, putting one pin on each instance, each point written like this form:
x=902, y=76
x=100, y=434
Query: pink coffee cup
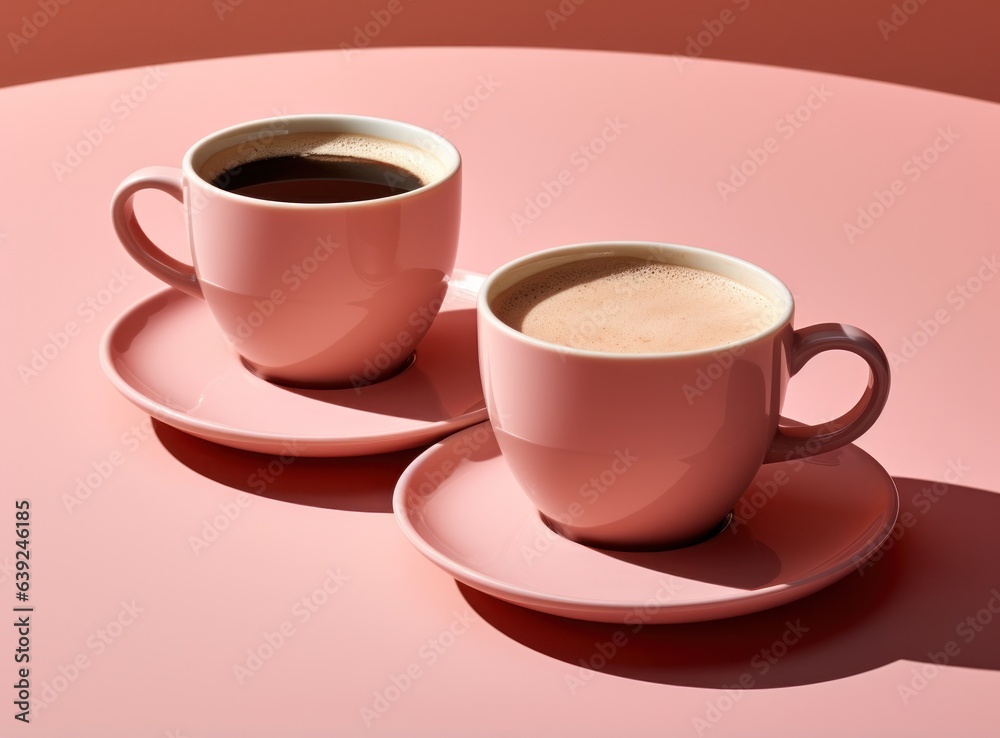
x=639, y=451
x=310, y=294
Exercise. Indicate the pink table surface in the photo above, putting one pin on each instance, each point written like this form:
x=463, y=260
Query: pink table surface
x=136, y=633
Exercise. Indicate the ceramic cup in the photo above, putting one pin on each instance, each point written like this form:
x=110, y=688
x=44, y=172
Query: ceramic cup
x=653, y=451
x=312, y=295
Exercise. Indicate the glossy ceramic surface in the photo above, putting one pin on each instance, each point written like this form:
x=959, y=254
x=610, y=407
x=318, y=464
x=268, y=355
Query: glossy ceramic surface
x=166, y=355
x=802, y=525
x=311, y=294
x=652, y=450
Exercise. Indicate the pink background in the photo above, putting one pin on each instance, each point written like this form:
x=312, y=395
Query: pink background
x=948, y=46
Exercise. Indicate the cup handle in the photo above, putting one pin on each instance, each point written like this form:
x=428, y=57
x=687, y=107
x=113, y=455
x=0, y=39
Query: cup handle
x=800, y=441
x=150, y=256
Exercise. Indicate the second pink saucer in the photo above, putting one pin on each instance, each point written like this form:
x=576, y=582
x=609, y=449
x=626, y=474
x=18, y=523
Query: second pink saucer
x=167, y=356
x=801, y=526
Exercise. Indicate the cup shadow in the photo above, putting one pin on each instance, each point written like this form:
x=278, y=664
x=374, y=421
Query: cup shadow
x=444, y=371
x=357, y=483
x=931, y=595
x=748, y=564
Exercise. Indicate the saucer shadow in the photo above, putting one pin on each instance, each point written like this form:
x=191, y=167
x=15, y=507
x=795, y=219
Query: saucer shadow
x=931, y=595
x=447, y=359
x=357, y=483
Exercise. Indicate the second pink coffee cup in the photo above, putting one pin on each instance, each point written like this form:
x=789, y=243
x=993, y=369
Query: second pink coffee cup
x=647, y=450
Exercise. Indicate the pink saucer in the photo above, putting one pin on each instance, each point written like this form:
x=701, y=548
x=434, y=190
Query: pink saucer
x=802, y=526
x=167, y=355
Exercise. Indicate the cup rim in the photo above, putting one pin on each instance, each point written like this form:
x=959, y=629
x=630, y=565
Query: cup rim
x=555, y=256
x=323, y=121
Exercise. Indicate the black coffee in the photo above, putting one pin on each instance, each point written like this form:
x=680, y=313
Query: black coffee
x=318, y=167
x=317, y=178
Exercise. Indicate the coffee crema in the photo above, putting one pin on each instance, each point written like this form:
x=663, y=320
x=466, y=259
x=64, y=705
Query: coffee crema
x=314, y=167
x=630, y=305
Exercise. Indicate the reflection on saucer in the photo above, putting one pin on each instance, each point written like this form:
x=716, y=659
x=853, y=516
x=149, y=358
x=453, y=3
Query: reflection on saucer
x=460, y=506
x=451, y=331
x=167, y=356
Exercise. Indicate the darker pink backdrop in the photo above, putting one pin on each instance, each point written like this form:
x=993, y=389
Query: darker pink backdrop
x=934, y=44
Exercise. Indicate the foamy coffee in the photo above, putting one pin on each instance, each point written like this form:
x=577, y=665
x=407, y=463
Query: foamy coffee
x=319, y=167
x=634, y=306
